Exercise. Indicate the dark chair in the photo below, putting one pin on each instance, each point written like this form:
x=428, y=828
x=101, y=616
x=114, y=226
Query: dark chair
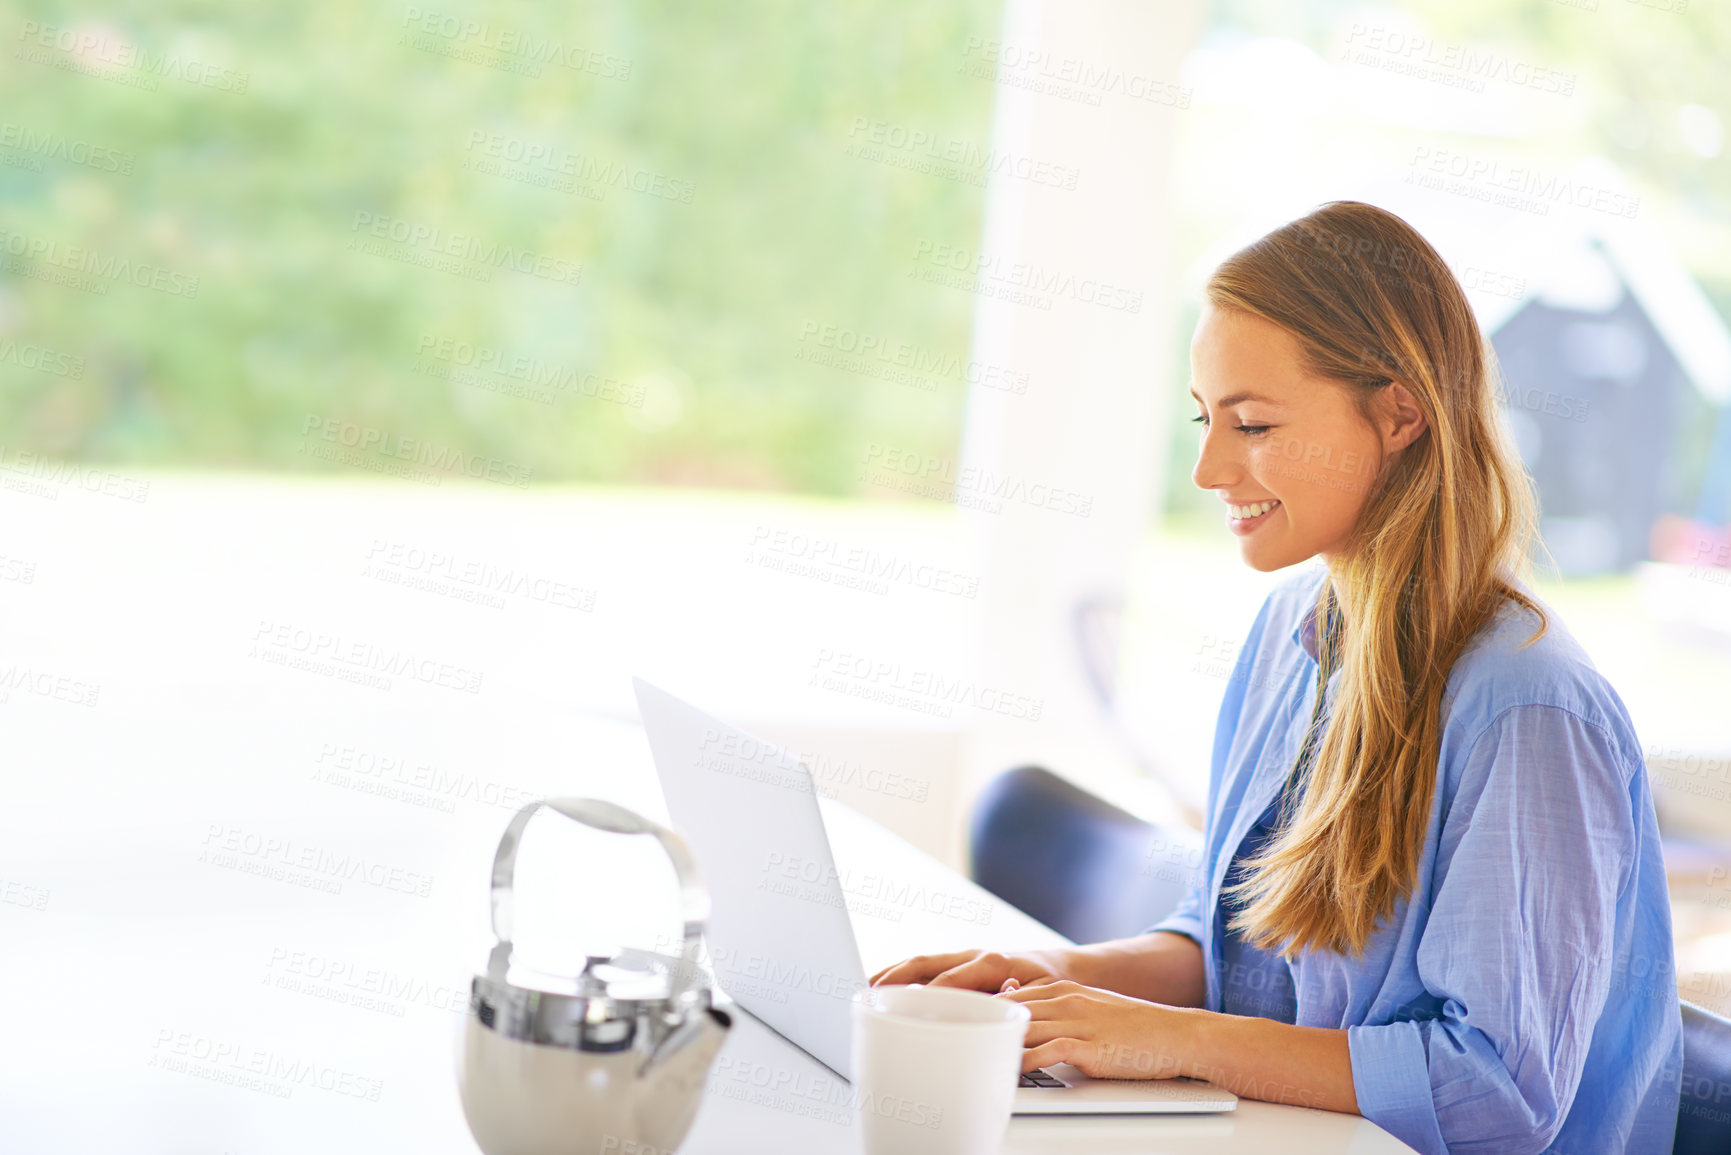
x=1080, y=865
x=1704, y=1113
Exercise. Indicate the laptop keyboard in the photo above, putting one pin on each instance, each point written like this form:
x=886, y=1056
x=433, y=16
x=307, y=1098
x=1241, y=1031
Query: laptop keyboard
x=1039, y=1078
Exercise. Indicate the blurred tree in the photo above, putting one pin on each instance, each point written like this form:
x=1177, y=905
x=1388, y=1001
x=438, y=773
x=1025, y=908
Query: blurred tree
x=594, y=243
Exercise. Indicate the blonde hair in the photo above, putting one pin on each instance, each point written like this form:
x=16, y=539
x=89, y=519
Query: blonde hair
x=1433, y=556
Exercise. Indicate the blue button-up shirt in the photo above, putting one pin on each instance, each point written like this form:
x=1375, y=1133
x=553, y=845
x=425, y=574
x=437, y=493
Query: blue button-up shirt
x=1523, y=998
x=1253, y=981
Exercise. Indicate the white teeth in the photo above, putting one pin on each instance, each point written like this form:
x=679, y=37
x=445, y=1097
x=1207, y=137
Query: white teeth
x=1244, y=512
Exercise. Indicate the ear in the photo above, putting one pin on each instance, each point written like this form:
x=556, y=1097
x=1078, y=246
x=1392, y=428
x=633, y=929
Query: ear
x=1400, y=420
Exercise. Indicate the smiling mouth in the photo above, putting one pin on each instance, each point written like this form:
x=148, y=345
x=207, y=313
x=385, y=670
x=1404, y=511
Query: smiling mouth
x=1250, y=512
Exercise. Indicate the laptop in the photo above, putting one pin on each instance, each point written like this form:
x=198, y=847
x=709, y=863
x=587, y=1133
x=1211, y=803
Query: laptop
x=781, y=941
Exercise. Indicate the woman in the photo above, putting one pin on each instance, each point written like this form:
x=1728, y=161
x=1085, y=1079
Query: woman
x=1432, y=892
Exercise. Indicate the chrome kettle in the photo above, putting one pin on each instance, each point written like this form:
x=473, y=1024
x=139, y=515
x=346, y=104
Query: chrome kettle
x=617, y=1062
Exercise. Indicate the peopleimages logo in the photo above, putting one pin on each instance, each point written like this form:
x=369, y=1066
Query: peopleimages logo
x=22, y=249
x=255, y=1068
x=316, y=651
x=879, y=355
x=534, y=372
x=436, y=243
x=808, y=555
x=951, y=157
x=107, y=56
x=1512, y=186
x=470, y=579
x=365, y=439
x=53, y=146
x=26, y=679
x=970, y=486
x=1022, y=281
x=868, y=893
x=223, y=844
x=523, y=46
x=1456, y=65
x=413, y=781
x=496, y=150
x=929, y=691
x=367, y=988
x=743, y=756
x=24, y=463
x=1068, y=77
x=41, y=358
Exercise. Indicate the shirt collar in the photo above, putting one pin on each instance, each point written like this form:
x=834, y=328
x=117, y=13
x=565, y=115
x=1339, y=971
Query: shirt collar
x=1304, y=633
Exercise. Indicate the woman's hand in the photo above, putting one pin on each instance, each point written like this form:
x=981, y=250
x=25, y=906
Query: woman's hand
x=975, y=970
x=1112, y=1036
x=1103, y=1034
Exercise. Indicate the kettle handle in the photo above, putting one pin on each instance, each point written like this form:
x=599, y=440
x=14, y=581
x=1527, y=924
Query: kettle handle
x=615, y=819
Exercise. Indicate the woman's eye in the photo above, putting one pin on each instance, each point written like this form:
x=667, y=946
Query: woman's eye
x=1247, y=430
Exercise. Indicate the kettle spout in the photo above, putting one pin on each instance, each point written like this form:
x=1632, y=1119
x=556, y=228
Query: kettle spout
x=687, y=1052
x=674, y=1075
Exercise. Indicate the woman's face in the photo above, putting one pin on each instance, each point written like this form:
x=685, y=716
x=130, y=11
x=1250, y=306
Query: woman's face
x=1288, y=452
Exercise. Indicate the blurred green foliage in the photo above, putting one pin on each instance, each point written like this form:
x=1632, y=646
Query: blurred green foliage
x=357, y=190
x=679, y=175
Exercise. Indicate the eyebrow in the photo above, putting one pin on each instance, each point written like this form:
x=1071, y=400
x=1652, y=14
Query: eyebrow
x=1237, y=398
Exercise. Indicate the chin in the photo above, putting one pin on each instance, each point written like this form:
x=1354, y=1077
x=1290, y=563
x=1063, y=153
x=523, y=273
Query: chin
x=1269, y=560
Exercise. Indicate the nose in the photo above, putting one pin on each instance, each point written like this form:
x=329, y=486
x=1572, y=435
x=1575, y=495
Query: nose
x=1217, y=466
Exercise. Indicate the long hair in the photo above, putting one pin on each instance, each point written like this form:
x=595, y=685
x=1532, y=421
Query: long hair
x=1435, y=553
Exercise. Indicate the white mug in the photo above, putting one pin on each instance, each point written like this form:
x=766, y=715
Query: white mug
x=934, y=1069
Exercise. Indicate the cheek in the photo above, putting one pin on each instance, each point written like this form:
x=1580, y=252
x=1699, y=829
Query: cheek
x=1322, y=485
x=1329, y=510
x=1275, y=458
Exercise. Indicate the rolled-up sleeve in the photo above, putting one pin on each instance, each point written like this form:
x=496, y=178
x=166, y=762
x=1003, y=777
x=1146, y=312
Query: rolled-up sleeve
x=1537, y=844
